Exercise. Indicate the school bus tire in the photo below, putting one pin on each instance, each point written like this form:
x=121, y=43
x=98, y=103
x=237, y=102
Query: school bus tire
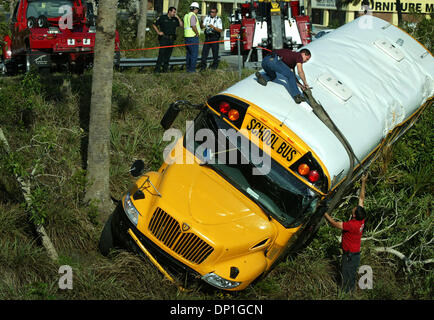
x=106, y=241
x=308, y=234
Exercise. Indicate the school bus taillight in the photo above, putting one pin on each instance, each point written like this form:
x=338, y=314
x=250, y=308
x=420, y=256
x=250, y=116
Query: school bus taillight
x=303, y=169
x=224, y=107
x=313, y=176
x=233, y=115
x=223, y=104
x=309, y=168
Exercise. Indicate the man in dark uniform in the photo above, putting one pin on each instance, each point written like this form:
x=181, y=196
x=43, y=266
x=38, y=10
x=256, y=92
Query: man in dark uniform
x=284, y=61
x=351, y=239
x=165, y=26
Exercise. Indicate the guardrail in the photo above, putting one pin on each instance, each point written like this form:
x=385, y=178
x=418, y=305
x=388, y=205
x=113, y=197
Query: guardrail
x=142, y=62
x=150, y=62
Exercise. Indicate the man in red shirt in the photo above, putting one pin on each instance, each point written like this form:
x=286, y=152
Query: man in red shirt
x=284, y=61
x=351, y=238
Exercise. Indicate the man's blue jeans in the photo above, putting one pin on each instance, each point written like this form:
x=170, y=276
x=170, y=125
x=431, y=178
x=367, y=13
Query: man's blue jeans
x=192, y=53
x=350, y=263
x=272, y=65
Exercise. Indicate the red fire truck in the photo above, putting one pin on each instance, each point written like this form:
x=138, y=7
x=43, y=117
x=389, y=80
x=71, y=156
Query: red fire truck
x=268, y=24
x=51, y=33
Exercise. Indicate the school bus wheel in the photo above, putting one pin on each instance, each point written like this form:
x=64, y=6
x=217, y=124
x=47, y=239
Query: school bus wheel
x=106, y=241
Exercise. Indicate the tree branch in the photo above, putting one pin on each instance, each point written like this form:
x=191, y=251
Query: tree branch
x=26, y=190
x=408, y=238
x=408, y=263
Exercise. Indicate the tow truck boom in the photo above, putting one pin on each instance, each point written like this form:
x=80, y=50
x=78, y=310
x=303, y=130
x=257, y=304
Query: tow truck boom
x=268, y=24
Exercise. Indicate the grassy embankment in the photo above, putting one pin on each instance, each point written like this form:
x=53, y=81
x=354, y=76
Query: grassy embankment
x=45, y=121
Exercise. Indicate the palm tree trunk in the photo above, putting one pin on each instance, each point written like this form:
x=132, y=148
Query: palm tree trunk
x=98, y=153
x=12, y=4
x=309, y=8
x=141, y=26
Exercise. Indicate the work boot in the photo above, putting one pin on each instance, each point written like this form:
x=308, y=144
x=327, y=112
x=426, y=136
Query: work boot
x=260, y=79
x=201, y=67
x=299, y=99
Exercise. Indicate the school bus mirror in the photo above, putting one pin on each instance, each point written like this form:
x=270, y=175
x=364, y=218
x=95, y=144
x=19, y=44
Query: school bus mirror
x=170, y=116
x=137, y=168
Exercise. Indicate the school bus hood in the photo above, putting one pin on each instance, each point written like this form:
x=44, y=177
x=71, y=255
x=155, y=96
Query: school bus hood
x=200, y=194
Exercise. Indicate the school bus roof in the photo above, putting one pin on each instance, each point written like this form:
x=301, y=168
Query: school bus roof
x=368, y=75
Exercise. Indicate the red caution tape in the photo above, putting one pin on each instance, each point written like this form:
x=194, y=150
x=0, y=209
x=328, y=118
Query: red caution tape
x=265, y=49
x=175, y=45
x=125, y=50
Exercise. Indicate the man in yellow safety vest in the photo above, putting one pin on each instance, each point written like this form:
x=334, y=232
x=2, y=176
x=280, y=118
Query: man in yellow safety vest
x=192, y=26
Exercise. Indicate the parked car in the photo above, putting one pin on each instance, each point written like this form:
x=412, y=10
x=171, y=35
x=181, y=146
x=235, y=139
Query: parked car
x=226, y=38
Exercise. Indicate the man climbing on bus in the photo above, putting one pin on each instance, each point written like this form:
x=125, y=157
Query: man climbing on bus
x=284, y=61
x=351, y=239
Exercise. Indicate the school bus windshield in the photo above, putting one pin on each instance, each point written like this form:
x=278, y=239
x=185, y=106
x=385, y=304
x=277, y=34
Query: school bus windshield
x=272, y=187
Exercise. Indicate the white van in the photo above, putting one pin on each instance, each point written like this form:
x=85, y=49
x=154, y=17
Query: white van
x=227, y=38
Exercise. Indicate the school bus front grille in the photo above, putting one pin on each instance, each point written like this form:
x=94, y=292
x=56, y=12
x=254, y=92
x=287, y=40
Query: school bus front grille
x=188, y=245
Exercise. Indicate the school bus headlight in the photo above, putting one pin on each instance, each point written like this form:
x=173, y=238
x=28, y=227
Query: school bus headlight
x=219, y=282
x=130, y=210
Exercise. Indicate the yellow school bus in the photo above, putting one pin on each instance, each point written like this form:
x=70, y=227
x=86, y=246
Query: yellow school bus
x=252, y=176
